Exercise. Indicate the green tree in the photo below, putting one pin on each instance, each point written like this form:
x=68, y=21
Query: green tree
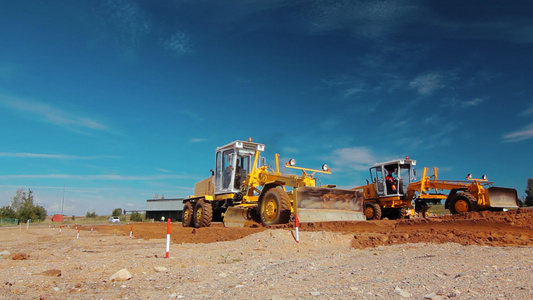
x=40, y=212
x=26, y=212
x=136, y=217
x=7, y=212
x=529, y=193
x=28, y=198
x=116, y=212
x=91, y=214
x=18, y=199
x=22, y=205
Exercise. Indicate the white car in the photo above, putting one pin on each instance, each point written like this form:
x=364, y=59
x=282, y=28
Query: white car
x=114, y=219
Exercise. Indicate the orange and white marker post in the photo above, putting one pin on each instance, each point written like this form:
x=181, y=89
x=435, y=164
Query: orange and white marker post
x=78, y=235
x=131, y=231
x=297, y=225
x=168, y=239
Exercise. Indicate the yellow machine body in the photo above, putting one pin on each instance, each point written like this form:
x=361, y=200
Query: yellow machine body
x=244, y=188
x=461, y=196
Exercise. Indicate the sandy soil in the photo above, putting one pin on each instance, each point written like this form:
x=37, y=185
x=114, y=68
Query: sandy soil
x=485, y=255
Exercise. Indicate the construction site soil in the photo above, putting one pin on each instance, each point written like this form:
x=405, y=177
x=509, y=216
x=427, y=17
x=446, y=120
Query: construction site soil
x=512, y=228
x=486, y=255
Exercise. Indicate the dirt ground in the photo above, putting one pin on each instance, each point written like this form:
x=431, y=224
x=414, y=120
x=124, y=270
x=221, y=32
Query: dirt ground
x=487, y=255
x=512, y=228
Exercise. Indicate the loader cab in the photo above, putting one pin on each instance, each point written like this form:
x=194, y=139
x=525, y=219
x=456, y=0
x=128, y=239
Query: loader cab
x=233, y=163
x=402, y=171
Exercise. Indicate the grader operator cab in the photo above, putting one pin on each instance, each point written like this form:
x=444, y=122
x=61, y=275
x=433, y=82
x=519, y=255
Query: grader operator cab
x=244, y=188
x=394, y=188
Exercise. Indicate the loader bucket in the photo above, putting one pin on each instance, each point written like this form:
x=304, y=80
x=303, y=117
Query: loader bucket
x=500, y=197
x=235, y=216
x=317, y=204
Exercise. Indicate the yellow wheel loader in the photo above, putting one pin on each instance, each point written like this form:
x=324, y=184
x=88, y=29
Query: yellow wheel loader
x=394, y=189
x=243, y=188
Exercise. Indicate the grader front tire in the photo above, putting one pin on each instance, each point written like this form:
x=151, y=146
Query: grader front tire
x=462, y=203
x=372, y=211
x=275, y=207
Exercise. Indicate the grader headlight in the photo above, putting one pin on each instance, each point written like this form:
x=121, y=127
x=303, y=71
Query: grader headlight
x=484, y=177
x=291, y=162
x=325, y=168
x=469, y=176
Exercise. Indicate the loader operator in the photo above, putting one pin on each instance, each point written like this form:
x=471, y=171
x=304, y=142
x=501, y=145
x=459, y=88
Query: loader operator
x=391, y=182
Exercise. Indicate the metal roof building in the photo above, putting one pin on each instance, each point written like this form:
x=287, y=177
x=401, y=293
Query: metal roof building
x=168, y=208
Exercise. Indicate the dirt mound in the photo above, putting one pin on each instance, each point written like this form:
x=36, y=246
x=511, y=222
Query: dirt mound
x=179, y=234
x=511, y=228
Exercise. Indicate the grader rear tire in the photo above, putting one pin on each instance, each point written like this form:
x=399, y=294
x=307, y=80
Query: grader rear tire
x=372, y=211
x=462, y=203
x=275, y=207
x=186, y=217
x=203, y=214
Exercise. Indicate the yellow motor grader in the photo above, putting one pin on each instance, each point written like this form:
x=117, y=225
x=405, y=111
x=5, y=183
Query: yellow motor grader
x=242, y=188
x=394, y=189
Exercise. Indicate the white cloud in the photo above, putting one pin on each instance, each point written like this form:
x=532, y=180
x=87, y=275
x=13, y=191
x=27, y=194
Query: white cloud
x=527, y=112
x=453, y=102
x=520, y=135
x=191, y=114
x=473, y=102
x=358, y=158
x=381, y=18
x=178, y=43
x=426, y=84
x=45, y=112
x=290, y=150
x=330, y=123
x=51, y=156
x=352, y=92
x=92, y=177
x=128, y=23
x=371, y=19
x=198, y=140
x=517, y=30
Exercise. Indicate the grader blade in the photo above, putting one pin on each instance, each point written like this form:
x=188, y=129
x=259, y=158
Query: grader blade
x=500, y=197
x=317, y=204
x=235, y=216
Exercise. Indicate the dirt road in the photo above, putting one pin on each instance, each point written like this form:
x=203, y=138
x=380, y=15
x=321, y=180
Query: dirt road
x=475, y=256
x=512, y=228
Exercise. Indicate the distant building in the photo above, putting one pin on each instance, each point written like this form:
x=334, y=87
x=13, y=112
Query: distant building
x=168, y=208
x=58, y=218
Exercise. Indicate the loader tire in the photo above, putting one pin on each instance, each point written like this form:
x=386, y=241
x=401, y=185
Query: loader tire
x=372, y=211
x=275, y=207
x=186, y=216
x=462, y=203
x=203, y=214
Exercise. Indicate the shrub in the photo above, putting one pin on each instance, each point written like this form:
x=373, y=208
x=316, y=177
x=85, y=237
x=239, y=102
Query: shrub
x=116, y=212
x=136, y=217
x=91, y=214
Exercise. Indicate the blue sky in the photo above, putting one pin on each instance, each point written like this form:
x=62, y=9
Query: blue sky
x=111, y=102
